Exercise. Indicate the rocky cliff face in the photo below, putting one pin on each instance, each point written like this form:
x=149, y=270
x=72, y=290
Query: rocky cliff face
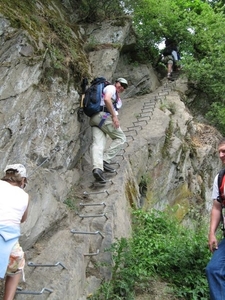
x=169, y=159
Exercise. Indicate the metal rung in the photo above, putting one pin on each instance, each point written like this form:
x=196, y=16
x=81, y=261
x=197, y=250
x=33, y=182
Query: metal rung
x=85, y=232
x=120, y=155
x=142, y=117
x=20, y=291
x=139, y=121
x=134, y=123
x=98, y=183
x=93, y=216
x=163, y=93
x=31, y=264
x=146, y=110
x=92, y=254
x=94, y=204
x=93, y=193
x=135, y=126
x=131, y=130
x=151, y=101
x=130, y=136
x=116, y=162
x=149, y=104
x=150, y=107
x=145, y=115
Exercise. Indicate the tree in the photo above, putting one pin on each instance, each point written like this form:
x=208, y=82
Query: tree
x=198, y=29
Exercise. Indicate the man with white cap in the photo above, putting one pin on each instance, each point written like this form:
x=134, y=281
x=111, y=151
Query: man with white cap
x=13, y=211
x=106, y=123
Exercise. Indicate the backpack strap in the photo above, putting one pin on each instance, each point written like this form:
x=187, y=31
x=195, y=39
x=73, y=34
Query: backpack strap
x=113, y=102
x=221, y=197
x=221, y=183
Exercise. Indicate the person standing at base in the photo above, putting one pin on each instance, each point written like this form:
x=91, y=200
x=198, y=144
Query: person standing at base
x=106, y=123
x=13, y=211
x=215, y=270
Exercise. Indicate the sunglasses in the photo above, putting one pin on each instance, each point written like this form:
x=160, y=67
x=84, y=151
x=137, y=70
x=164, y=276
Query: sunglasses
x=123, y=85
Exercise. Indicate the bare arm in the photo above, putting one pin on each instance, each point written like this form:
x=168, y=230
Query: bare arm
x=110, y=108
x=214, y=223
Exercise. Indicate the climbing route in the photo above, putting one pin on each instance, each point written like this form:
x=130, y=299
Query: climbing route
x=91, y=227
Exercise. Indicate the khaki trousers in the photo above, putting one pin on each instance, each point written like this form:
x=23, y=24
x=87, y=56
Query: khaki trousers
x=98, y=151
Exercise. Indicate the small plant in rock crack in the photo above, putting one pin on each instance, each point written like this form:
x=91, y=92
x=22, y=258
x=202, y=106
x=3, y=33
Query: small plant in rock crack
x=168, y=106
x=71, y=203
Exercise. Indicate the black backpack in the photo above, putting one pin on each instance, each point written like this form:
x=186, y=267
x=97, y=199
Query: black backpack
x=93, y=96
x=168, y=50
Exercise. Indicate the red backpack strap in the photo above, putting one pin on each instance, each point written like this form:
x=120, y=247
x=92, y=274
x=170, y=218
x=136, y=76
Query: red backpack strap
x=221, y=183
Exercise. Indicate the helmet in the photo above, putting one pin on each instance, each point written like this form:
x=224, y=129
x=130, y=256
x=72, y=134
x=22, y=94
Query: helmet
x=122, y=80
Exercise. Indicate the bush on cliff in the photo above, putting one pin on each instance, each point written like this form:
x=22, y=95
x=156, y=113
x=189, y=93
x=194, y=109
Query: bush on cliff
x=159, y=248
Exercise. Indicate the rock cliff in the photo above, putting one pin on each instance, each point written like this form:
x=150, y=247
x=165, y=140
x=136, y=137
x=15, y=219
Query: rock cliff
x=169, y=158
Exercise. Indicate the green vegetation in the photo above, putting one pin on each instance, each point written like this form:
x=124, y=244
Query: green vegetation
x=91, y=11
x=168, y=140
x=170, y=106
x=53, y=37
x=217, y=116
x=160, y=248
x=72, y=201
x=197, y=26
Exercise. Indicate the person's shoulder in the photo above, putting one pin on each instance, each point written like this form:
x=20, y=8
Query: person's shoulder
x=6, y=187
x=4, y=184
x=110, y=88
x=17, y=189
x=21, y=191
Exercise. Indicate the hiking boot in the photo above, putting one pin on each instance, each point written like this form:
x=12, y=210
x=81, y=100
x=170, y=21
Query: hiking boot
x=98, y=175
x=107, y=167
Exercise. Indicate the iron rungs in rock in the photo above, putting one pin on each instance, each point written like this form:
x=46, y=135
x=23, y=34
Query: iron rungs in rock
x=93, y=216
x=20, y=291
x=31, y=264
x=85, y=232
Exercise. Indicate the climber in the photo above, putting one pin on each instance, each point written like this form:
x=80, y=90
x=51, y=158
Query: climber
x=170, y=57
x=13, y=211
x=106, y=123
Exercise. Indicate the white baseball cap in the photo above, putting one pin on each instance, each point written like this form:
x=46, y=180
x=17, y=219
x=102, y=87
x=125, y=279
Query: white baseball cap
x=122, y=80
x=19, y=168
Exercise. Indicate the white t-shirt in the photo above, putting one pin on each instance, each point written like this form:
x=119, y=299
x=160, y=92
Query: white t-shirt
x=13, y=203
x=215, y=192
x=111, y=89
x=175, y=56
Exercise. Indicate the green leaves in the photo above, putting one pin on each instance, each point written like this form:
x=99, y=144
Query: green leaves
x=159, y=248
x=199, y=31
x=175, y=253
x=216, y=116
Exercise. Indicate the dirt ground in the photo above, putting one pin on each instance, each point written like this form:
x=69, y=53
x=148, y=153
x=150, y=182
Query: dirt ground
x=156, y=291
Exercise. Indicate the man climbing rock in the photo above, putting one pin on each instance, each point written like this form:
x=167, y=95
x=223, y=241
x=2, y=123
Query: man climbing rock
x=106, y=123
